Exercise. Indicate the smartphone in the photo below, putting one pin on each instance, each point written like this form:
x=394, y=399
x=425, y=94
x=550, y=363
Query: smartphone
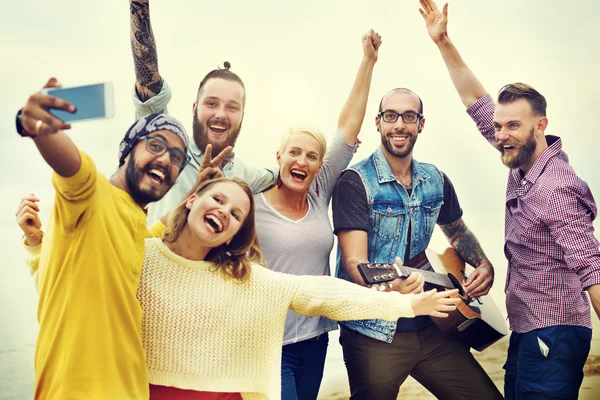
x=92, y=101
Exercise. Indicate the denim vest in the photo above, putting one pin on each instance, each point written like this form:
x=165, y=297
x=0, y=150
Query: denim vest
x=390, y=211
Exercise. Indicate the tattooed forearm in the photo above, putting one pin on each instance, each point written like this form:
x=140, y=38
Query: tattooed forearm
x=465, y=243
x=143, y=47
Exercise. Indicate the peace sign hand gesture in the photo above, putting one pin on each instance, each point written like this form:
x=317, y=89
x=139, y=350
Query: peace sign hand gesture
x=210, y=168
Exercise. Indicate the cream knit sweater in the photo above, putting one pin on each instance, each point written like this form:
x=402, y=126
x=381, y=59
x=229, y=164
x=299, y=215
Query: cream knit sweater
x=204, y=331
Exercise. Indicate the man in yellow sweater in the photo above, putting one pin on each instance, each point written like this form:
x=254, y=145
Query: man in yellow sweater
x=90, y=345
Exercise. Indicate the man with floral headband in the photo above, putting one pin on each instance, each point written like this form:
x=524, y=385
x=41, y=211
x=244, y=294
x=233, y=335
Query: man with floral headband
x=90, y=345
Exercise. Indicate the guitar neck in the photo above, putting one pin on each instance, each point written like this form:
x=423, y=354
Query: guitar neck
x=430, y=277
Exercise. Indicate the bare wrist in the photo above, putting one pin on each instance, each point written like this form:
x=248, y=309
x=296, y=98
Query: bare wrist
x=369, y=60
x=33, y=239
x=443, y=40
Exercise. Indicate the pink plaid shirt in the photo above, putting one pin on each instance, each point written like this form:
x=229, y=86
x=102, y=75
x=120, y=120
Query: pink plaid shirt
x=549, y=238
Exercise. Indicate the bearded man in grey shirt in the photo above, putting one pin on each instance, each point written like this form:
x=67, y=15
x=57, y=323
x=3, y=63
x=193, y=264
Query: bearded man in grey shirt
x=218, y=113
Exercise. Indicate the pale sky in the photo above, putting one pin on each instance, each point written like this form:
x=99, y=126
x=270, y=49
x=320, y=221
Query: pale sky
x=298, y=61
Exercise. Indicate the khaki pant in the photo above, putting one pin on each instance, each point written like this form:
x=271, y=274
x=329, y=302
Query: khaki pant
x=442, y=364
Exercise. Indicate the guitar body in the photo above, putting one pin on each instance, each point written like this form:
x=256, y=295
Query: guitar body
x=479, y=323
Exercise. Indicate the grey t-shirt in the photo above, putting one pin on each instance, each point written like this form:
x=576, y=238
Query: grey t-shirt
x=303, y=247
x=259, y=179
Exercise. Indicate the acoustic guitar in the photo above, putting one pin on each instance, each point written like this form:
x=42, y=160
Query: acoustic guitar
x=478, y=322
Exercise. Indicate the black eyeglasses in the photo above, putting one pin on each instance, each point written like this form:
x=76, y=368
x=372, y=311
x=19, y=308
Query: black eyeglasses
x=409, y=117
x=158, y=147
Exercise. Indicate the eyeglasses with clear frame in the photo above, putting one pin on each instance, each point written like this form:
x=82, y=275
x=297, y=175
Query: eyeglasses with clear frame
x=408, y=117
x=158, y=147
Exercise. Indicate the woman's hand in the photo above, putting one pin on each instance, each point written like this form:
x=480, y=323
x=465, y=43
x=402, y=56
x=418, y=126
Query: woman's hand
x=434, y=303
x=29, y=221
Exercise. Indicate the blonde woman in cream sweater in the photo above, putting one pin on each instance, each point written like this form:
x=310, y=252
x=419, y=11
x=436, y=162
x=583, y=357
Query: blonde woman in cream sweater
x=214, y=317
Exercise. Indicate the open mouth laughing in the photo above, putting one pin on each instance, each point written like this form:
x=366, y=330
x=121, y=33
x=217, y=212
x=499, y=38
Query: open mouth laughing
x=157, y=175
x=506, y=147
x=298, y=175
x=399, y=140
x=218, y=128
x=214, y=223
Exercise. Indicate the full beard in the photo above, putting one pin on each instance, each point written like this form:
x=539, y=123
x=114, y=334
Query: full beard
x=201, y=137
x=386, y=140
x=523, y=155
x=134, y=175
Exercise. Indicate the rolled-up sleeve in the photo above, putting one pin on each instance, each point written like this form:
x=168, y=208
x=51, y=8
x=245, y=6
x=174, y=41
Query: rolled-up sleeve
x=569, y=217
x=482, y=113
x=155, y=104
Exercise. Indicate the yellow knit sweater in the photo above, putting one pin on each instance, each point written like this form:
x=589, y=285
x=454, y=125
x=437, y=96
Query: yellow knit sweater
x=204, y=331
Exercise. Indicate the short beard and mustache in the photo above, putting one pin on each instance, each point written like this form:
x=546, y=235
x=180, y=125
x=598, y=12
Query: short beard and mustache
x=201, y=137
x=524, y=154
x=134, y=175
x=411, y=139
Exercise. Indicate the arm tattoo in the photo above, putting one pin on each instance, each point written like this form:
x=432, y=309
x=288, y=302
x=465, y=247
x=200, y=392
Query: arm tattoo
x=465, y=243
x=143, y=47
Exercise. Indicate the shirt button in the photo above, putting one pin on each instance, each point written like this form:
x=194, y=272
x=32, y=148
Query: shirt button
x=523, y=182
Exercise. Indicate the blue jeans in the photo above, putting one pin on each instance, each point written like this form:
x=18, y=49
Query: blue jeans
x=302, y=368
x=531, y=375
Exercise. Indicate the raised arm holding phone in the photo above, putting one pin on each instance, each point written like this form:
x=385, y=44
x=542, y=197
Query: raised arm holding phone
x=54, y=145
x=89, y=344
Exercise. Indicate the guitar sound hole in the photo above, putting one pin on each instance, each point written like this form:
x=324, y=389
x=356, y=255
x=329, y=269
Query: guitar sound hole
x=457, y=285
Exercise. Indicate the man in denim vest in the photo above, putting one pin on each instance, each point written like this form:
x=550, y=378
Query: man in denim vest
x=384, y=210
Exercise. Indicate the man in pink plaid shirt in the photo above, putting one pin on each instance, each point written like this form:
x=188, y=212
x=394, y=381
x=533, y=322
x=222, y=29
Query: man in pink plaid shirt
x=552, y=253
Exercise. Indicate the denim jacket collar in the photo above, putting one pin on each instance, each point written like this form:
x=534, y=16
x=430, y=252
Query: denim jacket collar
x=385, y=174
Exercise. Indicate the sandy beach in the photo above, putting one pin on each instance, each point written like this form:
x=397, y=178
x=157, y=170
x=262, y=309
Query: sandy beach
x=335, y=381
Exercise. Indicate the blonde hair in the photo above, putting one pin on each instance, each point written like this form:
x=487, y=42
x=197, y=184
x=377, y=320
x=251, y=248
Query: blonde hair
x=312, y=131
x=234, y=259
